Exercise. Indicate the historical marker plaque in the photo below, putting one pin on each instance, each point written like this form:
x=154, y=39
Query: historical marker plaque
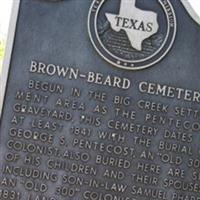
x=102, y=102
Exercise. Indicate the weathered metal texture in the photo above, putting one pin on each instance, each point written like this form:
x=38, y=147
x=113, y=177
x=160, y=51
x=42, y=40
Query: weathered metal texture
x=105, y=109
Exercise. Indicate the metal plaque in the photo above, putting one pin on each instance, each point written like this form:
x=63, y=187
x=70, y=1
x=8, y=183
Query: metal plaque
x=100, y=101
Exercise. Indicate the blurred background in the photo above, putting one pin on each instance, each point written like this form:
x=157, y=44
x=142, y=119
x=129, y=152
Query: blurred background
x=5, y=13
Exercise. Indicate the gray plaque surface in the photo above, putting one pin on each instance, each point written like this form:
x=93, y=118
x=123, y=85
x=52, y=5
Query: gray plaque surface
x=101, y=101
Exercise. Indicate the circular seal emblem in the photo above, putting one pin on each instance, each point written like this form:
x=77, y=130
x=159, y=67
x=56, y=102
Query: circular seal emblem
x=132, y=34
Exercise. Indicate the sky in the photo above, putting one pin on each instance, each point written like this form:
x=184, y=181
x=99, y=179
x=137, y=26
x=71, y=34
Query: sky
x=6, y=5
x=196, y=5
x=5, y=10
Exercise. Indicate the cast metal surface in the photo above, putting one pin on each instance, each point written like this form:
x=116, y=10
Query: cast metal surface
x=81, y=120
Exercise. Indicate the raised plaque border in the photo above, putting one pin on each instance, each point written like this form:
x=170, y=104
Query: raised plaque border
x=8, y=52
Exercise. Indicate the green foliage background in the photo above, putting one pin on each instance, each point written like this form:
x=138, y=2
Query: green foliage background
x=2, y=49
